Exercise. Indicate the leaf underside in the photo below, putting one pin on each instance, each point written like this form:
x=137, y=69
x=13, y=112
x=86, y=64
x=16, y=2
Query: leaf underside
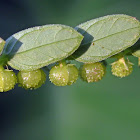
x=37, y=47
x=106, y=36
x=2, y=43
x=136, y=51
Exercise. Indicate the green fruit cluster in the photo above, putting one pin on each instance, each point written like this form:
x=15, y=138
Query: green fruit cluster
x=62, y=74
x=25, y=79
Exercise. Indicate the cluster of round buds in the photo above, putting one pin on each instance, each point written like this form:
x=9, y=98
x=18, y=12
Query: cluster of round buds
x=92, y=72
x=26, y=79
x=63, y=74
x=122, y=68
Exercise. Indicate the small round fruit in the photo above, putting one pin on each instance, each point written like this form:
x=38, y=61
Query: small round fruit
x=122, y=68
x=8, y=79
x=63, y=74
x=73, y=73
x=43, y=79
x=92, y=72
x=31, y=79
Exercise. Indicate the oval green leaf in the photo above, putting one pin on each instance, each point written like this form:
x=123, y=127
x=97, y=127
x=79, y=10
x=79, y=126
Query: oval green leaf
x=136, y=51
x=2, y=43
x=37, y=47
x=106, y=36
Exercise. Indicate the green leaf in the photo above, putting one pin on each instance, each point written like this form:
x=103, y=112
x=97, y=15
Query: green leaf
x=106, y=36
x=36, y=47
x=136, y=51
x=2, y=43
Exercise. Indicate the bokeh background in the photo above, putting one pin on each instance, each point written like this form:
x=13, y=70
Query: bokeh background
x=106, y=110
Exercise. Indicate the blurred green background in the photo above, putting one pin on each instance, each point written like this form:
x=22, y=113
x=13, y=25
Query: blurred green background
x=106, y=110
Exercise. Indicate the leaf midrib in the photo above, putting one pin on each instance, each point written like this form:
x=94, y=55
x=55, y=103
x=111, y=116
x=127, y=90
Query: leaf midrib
x=110, y=35
x=46, y=45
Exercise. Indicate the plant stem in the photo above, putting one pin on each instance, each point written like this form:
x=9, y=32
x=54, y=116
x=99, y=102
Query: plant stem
x=3, y=60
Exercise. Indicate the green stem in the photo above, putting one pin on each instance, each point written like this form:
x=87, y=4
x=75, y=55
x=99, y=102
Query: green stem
x=62, y=62
x=1, y=68
x=3, y=60
x=46, y=69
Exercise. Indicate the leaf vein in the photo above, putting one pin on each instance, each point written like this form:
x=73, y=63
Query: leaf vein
x=46, y=45
x=112, y=35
